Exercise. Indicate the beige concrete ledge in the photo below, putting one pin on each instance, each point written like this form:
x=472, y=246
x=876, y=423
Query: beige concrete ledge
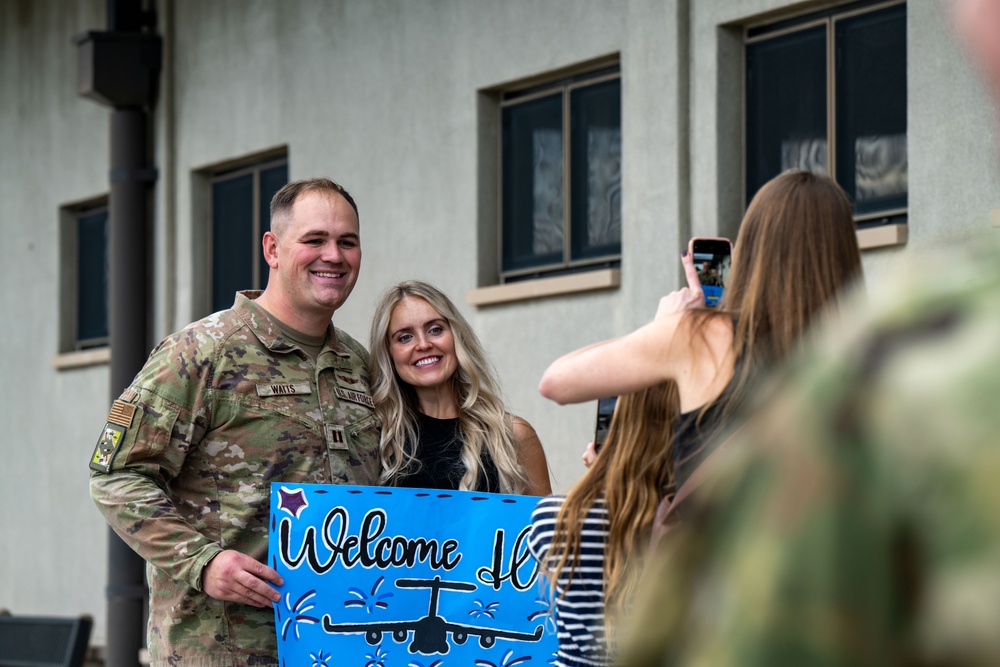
x=101, y=355
x=536, y=289
x=880, y=237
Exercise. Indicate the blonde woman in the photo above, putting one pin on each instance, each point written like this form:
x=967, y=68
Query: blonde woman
x=444, y=424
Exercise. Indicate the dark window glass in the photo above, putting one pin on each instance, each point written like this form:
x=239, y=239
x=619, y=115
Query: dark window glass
x=92, y=279
x=573, y=133
x=232, y=239
x=241, y=205
x=786, y=106
x=871, y=109
x=533, y=222
x=596, y=170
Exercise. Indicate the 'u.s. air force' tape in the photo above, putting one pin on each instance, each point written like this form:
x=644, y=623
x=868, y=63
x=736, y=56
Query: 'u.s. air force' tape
x=354, y=396
x=119, y=420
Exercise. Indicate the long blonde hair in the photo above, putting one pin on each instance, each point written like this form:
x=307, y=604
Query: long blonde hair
x=632, y=473
x=483, y=420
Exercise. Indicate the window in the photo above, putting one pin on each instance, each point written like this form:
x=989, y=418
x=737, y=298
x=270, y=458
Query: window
x=90, y=292
x=240, y=214
x=827, y=92
x=560, y=176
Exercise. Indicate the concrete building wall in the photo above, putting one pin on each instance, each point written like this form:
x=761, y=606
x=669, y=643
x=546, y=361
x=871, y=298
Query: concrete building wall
x=53, y=151
x=393, y=99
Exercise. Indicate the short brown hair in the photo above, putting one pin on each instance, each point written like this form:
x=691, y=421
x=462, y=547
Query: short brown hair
x=285, y=198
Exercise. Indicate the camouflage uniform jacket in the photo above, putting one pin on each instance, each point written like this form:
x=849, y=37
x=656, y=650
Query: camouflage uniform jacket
x=856, y=519
x=182, y=471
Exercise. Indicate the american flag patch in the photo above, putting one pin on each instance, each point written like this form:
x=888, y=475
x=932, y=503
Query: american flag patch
x=121, y=413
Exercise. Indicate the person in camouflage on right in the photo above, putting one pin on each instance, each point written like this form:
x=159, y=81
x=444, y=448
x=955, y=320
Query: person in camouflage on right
x=856, y=517
x=267, y=391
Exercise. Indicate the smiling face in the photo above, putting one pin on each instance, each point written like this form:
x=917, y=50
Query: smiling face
x=421, y=344
x=314, y=257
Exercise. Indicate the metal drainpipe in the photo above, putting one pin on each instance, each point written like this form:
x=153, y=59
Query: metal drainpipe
x=119, y=68
x=127, y=300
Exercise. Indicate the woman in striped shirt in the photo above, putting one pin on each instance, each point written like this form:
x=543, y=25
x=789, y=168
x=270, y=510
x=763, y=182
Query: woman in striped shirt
x=588, y=542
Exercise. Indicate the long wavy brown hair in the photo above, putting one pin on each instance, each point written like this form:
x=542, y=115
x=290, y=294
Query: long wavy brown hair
x=795, y=257
x=632, y=473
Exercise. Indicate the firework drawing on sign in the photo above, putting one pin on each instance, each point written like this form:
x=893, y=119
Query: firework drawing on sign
x=508, y=660
x=297, y=613
x=369, y=600
x=320, y=659
x=376, y=659
x=483, y=609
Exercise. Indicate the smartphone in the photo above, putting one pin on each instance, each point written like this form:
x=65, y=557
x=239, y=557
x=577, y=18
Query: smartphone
x=713, y=258
x=605, y=410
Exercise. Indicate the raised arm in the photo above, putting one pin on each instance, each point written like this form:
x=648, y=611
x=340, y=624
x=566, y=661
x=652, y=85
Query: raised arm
x=663, y=349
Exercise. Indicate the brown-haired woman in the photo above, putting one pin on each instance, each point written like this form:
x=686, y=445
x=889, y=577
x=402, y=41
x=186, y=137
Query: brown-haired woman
x=588, y=543
x=796, y=253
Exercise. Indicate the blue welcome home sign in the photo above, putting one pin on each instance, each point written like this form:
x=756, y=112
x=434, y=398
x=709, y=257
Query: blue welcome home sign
x=387, y=577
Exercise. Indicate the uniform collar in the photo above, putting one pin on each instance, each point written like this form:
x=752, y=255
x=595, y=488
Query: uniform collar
x=269, y=334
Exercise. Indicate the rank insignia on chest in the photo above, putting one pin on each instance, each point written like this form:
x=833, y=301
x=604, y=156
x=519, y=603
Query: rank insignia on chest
x=335, y=437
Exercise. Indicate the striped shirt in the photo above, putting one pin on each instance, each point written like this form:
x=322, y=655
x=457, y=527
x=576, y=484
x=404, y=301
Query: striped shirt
x=579, y=603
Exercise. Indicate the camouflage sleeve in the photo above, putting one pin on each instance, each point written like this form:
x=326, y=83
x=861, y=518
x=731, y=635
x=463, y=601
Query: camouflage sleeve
x=766, y=568
x=142, y=448
x=856, y=521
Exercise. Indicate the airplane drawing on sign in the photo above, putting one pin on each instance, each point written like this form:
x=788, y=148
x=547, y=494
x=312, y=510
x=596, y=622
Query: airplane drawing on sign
x=430, y=633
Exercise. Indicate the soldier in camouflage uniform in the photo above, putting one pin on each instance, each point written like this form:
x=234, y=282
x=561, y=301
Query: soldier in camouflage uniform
x=855, y=519
x=268, y=391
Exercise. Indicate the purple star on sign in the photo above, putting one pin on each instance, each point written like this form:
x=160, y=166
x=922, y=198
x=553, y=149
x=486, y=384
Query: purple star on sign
x=292, y=501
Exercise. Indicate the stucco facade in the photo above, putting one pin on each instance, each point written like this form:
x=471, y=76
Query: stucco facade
x=393, y=99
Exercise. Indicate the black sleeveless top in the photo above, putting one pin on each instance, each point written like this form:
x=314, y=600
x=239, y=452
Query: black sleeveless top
x=439, y=456
x=695, y=439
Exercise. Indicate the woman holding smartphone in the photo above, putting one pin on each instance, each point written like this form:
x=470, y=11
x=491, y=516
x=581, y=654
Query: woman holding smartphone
x=444, y=424
x=796, y=253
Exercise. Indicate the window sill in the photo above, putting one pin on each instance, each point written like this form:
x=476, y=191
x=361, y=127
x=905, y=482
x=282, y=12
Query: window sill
x=880, y=237
x=544, y=287
x=68, y=360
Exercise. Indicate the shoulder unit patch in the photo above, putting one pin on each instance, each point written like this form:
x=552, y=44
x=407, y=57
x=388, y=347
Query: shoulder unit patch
x=107, y=447
x=119, y=420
